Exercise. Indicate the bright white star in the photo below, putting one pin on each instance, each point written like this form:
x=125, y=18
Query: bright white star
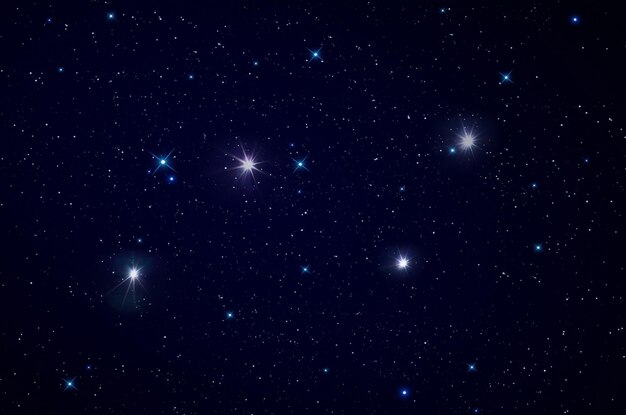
x=133, y=274
x=402, y=262
x=247, y=164
x=467, y=140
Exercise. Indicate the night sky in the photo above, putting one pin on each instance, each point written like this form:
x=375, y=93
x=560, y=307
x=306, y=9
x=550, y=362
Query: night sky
x=303, y=208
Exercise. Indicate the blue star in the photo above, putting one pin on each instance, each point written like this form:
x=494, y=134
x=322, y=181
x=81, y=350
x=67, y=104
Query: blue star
x=190, y=77
x=305, y=269
x=452, y=150
x=575, y=20
x=325, y=370
x=110, y=16
x=402, y=188
x=405, y=393
x=534, y=185
x=70, y=384
x=471, y=367
x=230, y=315
x=300, y=164
x=255, y=63
x=61, y=69
x=163, y=162
x=171, y=179
x=443, y=10
x=315, y=55
x=88, y=367
x=506, y=78
x=538, y=248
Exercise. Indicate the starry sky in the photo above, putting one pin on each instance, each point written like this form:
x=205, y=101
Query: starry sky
x=367, y=207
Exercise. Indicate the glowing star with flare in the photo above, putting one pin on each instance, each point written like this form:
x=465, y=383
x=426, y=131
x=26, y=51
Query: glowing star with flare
x=467, y=140
x=402, y=262
x=247, y=164
x=133, y=277
x=163, y=162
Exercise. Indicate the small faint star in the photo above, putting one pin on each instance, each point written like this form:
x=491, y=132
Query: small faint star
x=255, y=63
x=190, y=77
x=61, y=69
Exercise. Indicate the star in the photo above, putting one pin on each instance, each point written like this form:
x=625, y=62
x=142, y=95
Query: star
x=132, y=278
x=255, y=63
x=534, y=185
x=248, y=164
x=133, y=274
x=110, y=16
x=171, y=179
x=305, y=269
x=325, y=370
x=471, y=367
x=405, y=393
x=70, y=384
x=163, y=162
x=300, y=164
x=467, y=140
x=190, y=77
x=538, y=248
x=575, y=20
x=230, y=315
x=402, y=262
x=505, y=77
x=61, y=69
x=315, y=55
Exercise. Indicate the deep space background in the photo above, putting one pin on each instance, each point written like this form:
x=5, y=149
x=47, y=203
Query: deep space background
x=349, y=207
